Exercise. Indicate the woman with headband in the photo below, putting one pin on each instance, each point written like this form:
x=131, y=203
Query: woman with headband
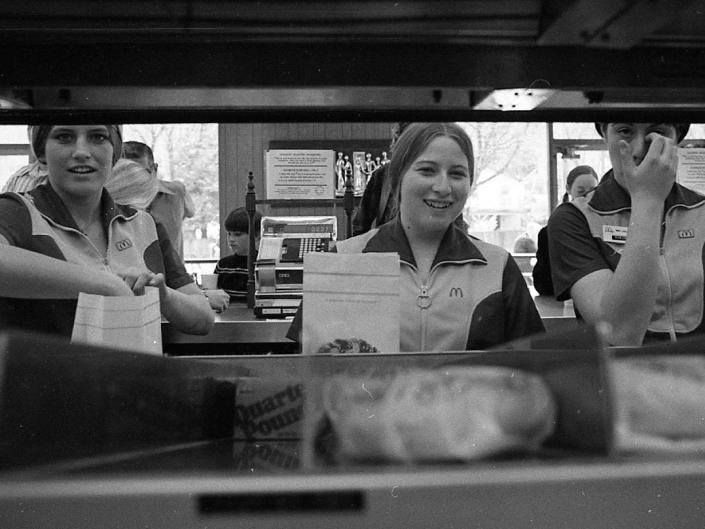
x=69, y=236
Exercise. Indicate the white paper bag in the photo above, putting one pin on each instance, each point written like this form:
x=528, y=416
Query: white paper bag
x=350, y=303
x=122, y=322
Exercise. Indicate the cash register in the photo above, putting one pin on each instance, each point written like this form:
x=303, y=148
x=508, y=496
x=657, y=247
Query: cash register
x=279, y=269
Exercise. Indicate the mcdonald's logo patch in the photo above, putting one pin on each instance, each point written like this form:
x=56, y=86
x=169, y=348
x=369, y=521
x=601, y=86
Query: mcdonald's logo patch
x=686, y=234
x=123, y=244
x=456, y=292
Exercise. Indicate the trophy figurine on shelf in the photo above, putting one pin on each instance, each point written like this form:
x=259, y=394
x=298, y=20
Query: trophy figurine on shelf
x=340, y=172
x=359, y=177
x=368, y=167
x=347, y=170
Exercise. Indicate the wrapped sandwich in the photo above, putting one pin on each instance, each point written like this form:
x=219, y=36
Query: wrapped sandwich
x=659, y=402
x=460, y=413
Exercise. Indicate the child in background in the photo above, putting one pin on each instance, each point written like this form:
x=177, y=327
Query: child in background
x=232, y=270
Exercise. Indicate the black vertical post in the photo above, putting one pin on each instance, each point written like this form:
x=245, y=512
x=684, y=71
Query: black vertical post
x=348, y=205
x=251, y=208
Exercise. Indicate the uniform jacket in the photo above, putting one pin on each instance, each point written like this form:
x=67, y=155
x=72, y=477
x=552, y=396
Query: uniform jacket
x=170, y=207
x=40, y=222
x=474, y=298
x=589, y=234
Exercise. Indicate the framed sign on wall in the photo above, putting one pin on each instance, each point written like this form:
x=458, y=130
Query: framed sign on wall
x=318, y=169
x=299, y=174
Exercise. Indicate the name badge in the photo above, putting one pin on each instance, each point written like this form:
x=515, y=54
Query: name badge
x=615, y=234
x=123, y=244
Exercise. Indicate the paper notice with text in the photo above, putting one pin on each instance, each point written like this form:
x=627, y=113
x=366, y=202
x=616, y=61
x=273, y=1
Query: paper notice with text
x=299, y=174
x=691, y=168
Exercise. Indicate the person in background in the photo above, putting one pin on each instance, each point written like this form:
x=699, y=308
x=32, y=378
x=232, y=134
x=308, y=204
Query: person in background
x=172, y=204
x=524, y=244
x=375, y=209
x=68, y=236
x=232, y=270
x=28, y=176
x=131, y=184
x=631, y=252
x=580, y=181
x=456, y=292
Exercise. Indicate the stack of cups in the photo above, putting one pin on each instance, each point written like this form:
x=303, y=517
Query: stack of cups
x=209, y=281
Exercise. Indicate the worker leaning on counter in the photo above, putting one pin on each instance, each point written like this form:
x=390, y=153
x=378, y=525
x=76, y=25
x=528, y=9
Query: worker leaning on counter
x=631, y=253
x=456, y=292
x=68, y=236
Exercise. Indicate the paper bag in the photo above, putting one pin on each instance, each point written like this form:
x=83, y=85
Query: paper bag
x=350, y=303
x=122, y=322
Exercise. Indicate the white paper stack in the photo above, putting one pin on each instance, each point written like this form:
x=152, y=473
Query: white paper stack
x=351, y=303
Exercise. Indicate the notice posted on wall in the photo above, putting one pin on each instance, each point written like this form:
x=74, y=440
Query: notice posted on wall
x=691, y=168
x=300, y=174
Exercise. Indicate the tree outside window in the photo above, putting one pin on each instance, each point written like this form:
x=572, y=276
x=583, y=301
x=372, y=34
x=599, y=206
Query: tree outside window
x=510, y=190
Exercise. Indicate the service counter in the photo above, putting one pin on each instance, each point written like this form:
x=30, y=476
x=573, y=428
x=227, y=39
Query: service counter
x=101, y=438
x=556, y=315
x=225, y=485
x=237, y=331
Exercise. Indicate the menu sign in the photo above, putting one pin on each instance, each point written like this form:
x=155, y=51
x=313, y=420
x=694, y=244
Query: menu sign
x=300, y=174
x=691, y=168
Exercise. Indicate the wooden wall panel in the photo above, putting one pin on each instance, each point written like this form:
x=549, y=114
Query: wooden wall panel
x=242, y=149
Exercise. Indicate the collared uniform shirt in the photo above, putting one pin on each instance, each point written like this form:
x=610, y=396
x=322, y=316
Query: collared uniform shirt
x=170, y=207
x=40, y=222
x=587, y=235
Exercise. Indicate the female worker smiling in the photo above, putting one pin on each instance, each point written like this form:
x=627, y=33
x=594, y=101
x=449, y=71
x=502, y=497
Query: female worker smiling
x=68, y=236
x=456, y=292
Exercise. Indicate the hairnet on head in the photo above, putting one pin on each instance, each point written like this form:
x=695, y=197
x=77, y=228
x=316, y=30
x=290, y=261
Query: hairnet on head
x=681, y=129
x=40, y=134
x=131, y=184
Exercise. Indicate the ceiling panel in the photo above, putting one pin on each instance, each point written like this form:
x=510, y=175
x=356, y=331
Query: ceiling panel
x=581, y=22
x=83, y=55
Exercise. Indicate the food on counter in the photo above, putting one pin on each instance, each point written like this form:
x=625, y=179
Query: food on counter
x=347, y=346
x=660, y=401
x=435, y=415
